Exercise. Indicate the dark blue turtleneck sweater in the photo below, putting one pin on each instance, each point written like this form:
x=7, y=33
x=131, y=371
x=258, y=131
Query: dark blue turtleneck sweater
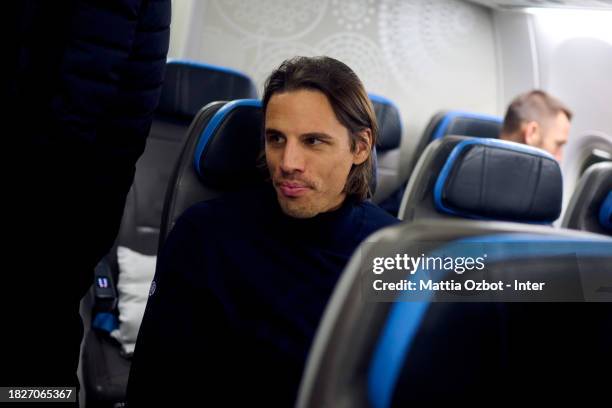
x=239, y=291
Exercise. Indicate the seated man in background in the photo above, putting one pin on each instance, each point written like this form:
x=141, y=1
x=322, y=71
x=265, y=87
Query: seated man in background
x=537, y=119
x=534, y=118
x=243, y=280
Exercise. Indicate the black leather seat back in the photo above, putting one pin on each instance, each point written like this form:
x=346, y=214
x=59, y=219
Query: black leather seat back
x=188, y=87
x=390, y=130
x=484, y=179
x=460, y=123
x=588, y=206
x=442, y=124
x=223, y=152
x=394, y=351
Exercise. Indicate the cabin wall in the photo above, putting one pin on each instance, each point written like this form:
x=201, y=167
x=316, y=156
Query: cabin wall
x=423, y=55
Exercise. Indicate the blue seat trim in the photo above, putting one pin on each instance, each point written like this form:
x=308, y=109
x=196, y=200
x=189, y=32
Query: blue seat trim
x=454, y=155
x=203, y=65
x=547, y=245
x=385, y=101
x=213, y=125
x=105, y=321
x=605, y=213
x=381, y=99
x=452, y=115
x=393, y=345
x=405, y=317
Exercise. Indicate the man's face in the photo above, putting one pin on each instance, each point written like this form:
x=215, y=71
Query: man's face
x=308, y=152
x=552, y=136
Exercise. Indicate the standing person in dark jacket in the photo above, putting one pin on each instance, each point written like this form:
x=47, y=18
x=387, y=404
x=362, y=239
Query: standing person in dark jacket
x=243, y=280
x=84, y=79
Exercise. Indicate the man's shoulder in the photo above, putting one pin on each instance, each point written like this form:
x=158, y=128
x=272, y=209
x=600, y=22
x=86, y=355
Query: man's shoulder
x=235, y=205
x=375, y=217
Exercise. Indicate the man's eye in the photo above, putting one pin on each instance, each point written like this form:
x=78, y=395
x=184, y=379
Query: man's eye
x=274, y=138
x=313, y=140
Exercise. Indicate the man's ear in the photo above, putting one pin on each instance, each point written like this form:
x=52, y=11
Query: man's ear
x=531, y=133
x=363, y=146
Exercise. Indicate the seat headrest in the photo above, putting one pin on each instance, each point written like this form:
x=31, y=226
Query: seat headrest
x=605, y=212
x=590, y=206
x=494, y=179
x=227, y=155
x=458, y=123
x=464, y=124
x=484, y=179
x=189, y=85
x=389, y=123
x=228, y=148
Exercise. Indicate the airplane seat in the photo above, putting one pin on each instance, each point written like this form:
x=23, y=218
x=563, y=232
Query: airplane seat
x=442, y=124
x=590, y=207
x=586, y=148
x=605, y=212
x=387, y=147
x=398, y=347
x=188, y=86
x=222, y=153
x=483, y=179
x=461, y=123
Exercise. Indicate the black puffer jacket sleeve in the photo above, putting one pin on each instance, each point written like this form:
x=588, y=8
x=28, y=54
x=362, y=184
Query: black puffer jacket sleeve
x=112, y=72
x=110, y=82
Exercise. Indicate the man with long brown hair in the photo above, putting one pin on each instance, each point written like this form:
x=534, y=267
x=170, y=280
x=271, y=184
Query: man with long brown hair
x=243, y=280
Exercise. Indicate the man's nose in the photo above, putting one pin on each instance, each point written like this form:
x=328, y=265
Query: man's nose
x=292, y=158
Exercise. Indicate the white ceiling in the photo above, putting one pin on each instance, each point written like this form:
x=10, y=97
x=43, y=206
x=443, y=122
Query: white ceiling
x=514, y=4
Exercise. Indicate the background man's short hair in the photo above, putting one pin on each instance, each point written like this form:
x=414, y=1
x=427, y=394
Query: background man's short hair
x=535, y=105
x=348, y=99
